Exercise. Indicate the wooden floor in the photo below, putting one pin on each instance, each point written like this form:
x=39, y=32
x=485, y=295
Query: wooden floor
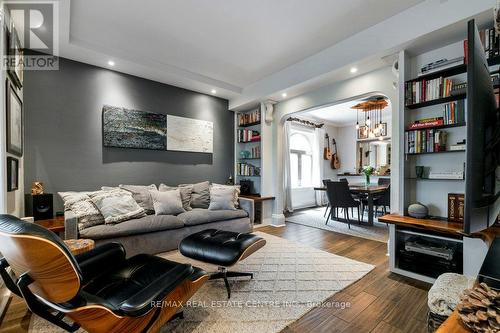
x=379, y=302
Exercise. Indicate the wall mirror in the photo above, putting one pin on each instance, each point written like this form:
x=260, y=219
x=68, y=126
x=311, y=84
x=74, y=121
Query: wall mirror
x=376, y=153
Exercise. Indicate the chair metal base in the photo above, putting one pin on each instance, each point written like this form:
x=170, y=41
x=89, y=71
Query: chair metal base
x=223, y=273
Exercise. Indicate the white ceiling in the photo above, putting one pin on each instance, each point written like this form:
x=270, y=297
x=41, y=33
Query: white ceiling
x=219, y=43
x=341, y=114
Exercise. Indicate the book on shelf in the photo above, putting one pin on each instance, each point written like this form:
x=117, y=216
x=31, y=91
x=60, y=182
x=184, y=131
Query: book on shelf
x=425, y=141
x=491, y=43
x=455, y=112
x=456, y=147
x=427, y=90
x=426, y=123
x=247, y=169
x=446, y=175
x=245, y=135
x=441, y=65
x=248, y=118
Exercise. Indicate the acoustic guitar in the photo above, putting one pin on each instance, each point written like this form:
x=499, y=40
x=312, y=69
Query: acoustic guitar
x=335, y=161
x=327, y=152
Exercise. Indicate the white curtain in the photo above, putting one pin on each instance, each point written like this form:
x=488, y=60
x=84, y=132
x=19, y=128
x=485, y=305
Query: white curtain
x=317, y=176
x=287, y=181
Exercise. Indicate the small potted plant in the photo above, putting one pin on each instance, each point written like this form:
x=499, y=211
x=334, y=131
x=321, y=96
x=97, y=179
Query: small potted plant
x=367, y=171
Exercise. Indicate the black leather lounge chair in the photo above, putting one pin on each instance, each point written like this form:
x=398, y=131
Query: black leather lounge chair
x=100, y=290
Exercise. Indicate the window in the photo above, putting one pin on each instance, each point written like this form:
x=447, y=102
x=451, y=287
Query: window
x=301, y=159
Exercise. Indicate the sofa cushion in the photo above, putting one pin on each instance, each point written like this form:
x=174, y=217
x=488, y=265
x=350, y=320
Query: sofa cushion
x=146, y=224
x=167, y=203
x=222, y=198
x=117, y=206
x=201, y=216
x=141, y=196
x=186, y=194
x=200, y=197
x=85, y=210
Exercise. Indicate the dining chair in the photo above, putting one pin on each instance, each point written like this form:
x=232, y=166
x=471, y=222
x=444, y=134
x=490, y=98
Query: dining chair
x=384, y=200
x=328, y=202
x=384, y=181
x=339, y=196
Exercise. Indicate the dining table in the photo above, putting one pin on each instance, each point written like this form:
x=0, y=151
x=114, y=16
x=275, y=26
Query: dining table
x=369, y=190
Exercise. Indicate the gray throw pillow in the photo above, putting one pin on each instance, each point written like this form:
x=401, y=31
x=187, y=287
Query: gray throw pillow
x=167, y=203
x=200, y=198
x=222, y=198
x=87, y=214
x=186, y=194
x=237, y=189
x=141, y=195
x=117, y=206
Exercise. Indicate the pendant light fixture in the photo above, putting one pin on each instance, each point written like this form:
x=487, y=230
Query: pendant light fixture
x=372, y=110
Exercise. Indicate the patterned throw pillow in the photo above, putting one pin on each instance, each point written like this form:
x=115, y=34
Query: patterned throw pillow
x=186, y=193
x=84, y=209
x=222, y=198
x=200, y=197
x=167, y=202
x=237, y=189
x=142, y=196
x=117, y=206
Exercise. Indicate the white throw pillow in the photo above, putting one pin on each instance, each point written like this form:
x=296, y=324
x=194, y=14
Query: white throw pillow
x=236, y=192
x=222, y=198
x=168, y=202
x=87, y=214
x=117, y=206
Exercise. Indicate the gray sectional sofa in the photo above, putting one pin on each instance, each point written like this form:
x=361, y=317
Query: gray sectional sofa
x=154, y=234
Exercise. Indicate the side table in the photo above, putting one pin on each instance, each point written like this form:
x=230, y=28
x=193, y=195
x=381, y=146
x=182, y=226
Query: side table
x=78, y=246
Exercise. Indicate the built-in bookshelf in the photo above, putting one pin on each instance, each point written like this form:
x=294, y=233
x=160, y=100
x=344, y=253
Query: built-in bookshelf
x=434, y=117
x=248, y=150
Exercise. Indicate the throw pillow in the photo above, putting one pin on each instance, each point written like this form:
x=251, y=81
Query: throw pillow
x=117, y=206
x=141, y=195
x=83, y=208
x=167, y=203
x=222, y=198
x=236, y=192
x=200, y=197
x=186, y=194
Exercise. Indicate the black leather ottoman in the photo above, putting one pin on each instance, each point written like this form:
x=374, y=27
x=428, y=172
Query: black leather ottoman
x=221, y=248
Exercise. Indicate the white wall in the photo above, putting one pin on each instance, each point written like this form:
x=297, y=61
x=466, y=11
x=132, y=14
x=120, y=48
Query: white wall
x=346, y=142
x=379, y=81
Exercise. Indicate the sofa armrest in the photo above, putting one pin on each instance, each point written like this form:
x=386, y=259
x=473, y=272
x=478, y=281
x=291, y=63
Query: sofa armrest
x=248, y=205
x=70, y=225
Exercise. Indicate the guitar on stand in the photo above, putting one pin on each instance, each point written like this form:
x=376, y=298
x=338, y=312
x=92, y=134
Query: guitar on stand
x=327, y=152
x=335, y=161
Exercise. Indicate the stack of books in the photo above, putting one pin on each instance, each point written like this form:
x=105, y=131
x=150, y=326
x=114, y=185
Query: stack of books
x=454, y=112
x=427, y=90
x=490, y=41
x=246, y=169
x=425, y=141
x=248, y=136
x=249, y=118
x=255, y=152
x=440, y=65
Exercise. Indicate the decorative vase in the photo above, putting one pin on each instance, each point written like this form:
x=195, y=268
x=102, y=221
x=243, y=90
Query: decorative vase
x=367, y=179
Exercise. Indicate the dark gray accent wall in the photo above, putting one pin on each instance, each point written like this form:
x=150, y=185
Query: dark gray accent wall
x=63, y=145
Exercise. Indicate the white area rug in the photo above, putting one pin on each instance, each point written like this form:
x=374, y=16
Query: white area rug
x=314, y=218
x=289, y=280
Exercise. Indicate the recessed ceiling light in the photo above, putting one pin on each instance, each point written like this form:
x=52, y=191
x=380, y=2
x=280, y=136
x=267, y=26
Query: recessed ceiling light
x=111, y=63
x=354, y=69
x=283, y=95
x=213, y=91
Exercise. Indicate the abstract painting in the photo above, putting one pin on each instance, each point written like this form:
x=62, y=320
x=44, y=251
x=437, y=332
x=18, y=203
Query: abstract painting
x=191, y=135
x=14, y=121
x=126, y=128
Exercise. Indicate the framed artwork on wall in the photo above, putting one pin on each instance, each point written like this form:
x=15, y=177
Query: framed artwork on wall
x=382, y=131
x=14, y=108
x=190, y=135
x=15, y=54
x=126, y=128
x=12, y=174
x=363, y=132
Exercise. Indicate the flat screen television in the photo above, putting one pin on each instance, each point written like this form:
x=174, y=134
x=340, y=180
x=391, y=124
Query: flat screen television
x=482, y=174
